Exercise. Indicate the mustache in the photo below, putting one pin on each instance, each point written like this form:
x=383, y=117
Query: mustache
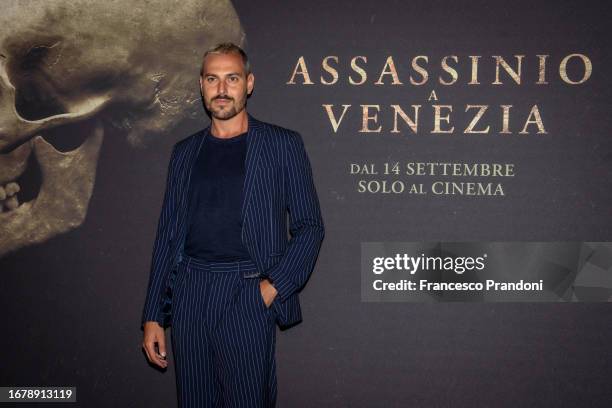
x=224, y=97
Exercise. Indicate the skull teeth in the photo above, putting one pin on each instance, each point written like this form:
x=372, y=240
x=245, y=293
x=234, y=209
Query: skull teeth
x=11, y=188
x=11, y=203
x=8, y=196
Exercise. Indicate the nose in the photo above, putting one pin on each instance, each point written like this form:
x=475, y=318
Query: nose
x=222, y=88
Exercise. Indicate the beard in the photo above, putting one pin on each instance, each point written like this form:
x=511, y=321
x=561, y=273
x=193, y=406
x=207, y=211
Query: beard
x=227, y=111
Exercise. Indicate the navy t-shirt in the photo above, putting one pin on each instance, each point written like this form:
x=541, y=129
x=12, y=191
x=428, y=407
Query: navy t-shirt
x=215, y=198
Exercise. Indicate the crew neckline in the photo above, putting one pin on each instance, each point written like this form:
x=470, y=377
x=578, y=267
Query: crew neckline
x=229, y=139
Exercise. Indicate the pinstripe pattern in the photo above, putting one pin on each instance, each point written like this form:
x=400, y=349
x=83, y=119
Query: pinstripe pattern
x=223, y=336
x=278, y=178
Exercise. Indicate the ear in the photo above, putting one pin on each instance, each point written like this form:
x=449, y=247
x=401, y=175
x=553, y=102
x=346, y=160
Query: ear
x=250, y=83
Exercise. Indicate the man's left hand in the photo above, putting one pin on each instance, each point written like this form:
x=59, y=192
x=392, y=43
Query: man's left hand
x=268, y=291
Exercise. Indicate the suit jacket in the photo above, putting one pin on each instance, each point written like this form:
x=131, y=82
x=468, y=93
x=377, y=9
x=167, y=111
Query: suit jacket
x=278, y=178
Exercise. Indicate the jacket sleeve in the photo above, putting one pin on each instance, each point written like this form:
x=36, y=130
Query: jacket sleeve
x=305, y=223
x=160, y=263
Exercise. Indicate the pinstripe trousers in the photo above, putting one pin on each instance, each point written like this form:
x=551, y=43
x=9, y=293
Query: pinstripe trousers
x=223, y=336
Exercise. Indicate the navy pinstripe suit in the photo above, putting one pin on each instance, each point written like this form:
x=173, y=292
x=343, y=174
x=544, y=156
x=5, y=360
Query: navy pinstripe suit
x=278, y=179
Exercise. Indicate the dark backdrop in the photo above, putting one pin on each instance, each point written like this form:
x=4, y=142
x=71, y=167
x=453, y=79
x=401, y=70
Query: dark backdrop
x=71, y=306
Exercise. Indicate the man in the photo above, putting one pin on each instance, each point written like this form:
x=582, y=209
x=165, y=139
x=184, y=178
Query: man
x=223, y=269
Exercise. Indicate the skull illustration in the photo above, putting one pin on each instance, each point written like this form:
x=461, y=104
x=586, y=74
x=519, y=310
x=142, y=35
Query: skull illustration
x=128, y=65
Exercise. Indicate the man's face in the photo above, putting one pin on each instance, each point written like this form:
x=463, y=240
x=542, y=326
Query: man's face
x=225, y=85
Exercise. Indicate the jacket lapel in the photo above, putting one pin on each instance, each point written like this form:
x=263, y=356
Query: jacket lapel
x=252, y=159
x=192, y=153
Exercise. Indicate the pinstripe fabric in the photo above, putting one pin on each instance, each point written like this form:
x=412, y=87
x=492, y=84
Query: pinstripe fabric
x=223, y=336
x=278, y=179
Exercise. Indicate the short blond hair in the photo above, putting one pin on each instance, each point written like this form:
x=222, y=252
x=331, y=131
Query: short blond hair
x=227, y=48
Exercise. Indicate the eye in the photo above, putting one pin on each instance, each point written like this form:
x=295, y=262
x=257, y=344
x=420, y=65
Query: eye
x=210, y=79
x=233, y=79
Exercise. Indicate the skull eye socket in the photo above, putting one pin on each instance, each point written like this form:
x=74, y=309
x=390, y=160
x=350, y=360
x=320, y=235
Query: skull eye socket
x=33, y=58
x=36, y=95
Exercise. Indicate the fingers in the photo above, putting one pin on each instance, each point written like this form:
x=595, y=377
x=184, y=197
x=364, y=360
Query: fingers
x=161, y=343
x=147, y=351
x=264, y=291
x=152, y=355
